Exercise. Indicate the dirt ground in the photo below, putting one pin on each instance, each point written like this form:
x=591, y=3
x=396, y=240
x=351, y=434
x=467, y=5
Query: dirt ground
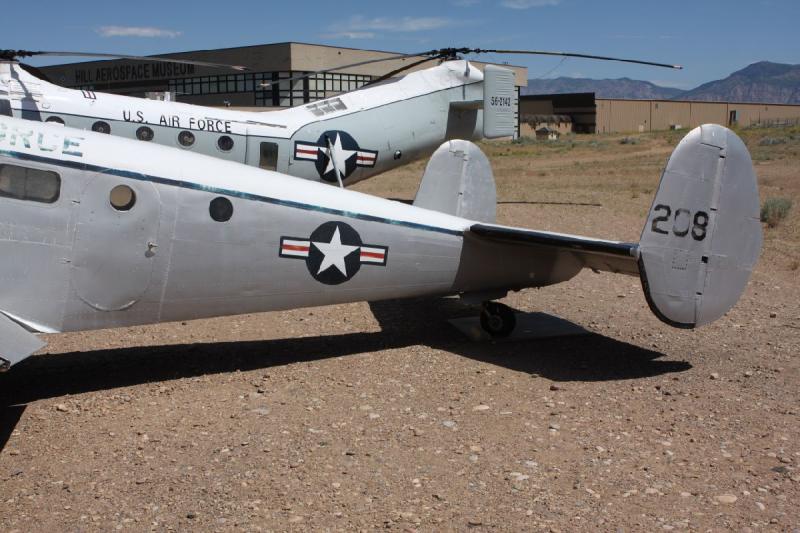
x=382, y=416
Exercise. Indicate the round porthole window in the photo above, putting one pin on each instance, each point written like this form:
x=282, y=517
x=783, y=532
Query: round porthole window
x=122, y=198
x=144, y=134
x=186, y=138
x=55, y=120
x=225, y=143
x=221, y=209
x=101, y=127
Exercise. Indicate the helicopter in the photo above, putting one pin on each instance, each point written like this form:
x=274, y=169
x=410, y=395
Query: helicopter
x=100, y=231
x=385, y=124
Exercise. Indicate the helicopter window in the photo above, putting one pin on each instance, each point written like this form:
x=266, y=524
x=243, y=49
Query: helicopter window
x=220, y=209
x=186, y=138
x=122, y=198
x=144, y=134
x=25, y=183
x=101, y=127
x=5, y=108
x=269, y=156
x=225, y=143
x=55, y=120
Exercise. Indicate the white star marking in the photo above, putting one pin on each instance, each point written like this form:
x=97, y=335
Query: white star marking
x=334, y=253
x=337, y=154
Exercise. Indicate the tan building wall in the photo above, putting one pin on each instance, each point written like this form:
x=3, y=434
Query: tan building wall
x=620, y=116
x=670, y=115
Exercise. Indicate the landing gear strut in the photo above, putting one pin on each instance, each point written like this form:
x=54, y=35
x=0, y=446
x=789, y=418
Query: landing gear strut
x=497, y=320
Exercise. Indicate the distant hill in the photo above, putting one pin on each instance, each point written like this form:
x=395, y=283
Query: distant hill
x=764, y=82
x=619, y=88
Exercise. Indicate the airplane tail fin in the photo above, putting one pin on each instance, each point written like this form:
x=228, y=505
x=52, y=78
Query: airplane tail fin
x=500, y=102
x=696, y=252
x=459, y=181
x=703, y=235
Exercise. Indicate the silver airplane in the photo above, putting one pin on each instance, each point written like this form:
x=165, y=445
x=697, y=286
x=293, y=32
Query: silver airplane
x=99, y=231
x=366, y=132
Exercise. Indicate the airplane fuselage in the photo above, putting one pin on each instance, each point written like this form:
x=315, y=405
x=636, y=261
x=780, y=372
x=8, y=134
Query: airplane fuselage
x=91, y=242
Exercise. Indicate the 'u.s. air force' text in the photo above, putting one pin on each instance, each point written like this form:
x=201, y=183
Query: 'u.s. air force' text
x=174, y=121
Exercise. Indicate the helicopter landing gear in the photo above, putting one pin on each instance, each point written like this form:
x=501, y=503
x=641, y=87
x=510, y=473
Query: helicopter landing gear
x=497, y=320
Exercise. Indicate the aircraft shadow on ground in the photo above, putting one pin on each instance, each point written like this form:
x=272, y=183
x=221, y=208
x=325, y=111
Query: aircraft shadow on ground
x=590, y=357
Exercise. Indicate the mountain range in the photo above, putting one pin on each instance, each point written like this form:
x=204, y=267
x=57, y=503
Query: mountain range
x=763, y=82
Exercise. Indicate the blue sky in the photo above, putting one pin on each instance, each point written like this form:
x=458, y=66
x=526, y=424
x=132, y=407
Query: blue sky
x=711, y=38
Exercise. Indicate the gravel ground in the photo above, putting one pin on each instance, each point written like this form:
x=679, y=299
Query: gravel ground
x=382, y=416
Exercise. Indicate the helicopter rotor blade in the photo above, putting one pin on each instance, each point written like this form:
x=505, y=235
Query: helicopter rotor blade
x=13, y=54
x=398, y=71
x=566, y=54
x=351, y=65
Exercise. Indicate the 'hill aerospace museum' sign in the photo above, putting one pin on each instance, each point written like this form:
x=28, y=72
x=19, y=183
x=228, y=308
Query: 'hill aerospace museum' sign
x=132, y=72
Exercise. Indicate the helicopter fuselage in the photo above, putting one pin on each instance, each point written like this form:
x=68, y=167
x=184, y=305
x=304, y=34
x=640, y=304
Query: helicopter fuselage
x=357, y=135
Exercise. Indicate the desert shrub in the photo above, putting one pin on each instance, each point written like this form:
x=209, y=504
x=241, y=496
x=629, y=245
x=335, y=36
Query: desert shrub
x=629, y=140
x=774, y=210
x=771, y=141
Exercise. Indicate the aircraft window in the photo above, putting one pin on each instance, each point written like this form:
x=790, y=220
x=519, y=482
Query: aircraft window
x=220, y=209
x=101, y=127
x=122, y=198
x=269, y=156
x=56, y=120
x=25, y=183
x=5, y=107
x=225, y=143
x=186, y=138
x=144, y=134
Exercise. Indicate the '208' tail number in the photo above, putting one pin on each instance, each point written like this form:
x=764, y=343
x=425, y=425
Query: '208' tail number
x=683, y=222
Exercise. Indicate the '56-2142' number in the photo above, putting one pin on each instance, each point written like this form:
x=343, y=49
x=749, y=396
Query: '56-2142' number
x=682, y=222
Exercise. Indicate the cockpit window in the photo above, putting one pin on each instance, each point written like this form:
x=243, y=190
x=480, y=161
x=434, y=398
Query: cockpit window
x=32, y=184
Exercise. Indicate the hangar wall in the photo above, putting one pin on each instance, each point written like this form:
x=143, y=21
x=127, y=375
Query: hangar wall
x=620, y=116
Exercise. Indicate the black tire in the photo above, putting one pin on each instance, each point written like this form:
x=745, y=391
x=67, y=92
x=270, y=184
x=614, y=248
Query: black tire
x=498, y=320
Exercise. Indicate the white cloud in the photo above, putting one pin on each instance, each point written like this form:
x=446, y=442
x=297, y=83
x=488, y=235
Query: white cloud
x=527, y=4
x=350, y=35
x=136, y=31
x=362, y=26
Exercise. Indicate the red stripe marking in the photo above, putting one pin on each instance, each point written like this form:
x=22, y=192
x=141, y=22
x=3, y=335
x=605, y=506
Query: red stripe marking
x=372, y=254
x=296, y=248
x=306, y=151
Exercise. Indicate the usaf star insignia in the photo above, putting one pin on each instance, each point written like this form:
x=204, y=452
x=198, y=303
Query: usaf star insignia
x=342, y=153
x=333, y=253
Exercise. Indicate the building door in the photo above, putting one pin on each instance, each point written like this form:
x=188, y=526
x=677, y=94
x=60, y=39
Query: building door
x=115, y=242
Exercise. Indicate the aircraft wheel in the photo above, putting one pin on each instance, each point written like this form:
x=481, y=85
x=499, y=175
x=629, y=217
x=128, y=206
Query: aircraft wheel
x=498, y=320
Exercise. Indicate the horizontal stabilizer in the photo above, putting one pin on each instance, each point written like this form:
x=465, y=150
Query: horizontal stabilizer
x=597, y=254
x=16, y=342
